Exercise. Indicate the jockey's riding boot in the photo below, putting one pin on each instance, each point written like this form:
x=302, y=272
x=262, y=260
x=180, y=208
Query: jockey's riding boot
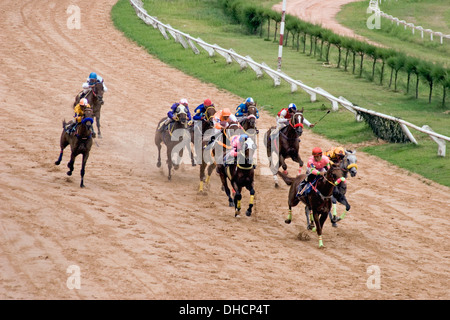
x=164, y=124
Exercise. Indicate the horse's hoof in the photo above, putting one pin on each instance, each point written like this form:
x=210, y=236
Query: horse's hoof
x=169, y=178
x=57, y=162
x=158, y=164
x=231, y=203
x=82, y=186
x=276, y=185
x=194, y=164
x=99, y=135
x=175, y=167
x=248, y=213
x=236, y=214
x=69, y=173
x=334, y=224
x=288, y=221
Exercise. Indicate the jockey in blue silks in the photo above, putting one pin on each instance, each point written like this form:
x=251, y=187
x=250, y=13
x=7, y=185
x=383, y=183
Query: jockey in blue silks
x=172, y=113
x=199, y=112
x=242, y=109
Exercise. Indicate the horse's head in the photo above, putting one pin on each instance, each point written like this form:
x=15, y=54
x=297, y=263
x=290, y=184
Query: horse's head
x=350, y=162
x=248, y=149
x=336, y=176
x=98, y=90
x=83, y=131
x=296, y=122
x=209, y=115
x=181, y=113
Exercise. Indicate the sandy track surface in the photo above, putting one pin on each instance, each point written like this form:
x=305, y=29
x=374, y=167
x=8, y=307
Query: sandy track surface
x=321, y=12
x=136, y=235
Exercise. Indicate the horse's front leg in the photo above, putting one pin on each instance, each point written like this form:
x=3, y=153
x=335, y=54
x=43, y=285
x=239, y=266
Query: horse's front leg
x=83, y=166
x=71, y=163
x=223, y=178
x=248, y=213
x=97, y=121
x=202, y=176
x=296, y=158
x=319, y=219
x=237, y=200
x=57, y=162
x=211, y=167
x=169, y=162
x=309, y=219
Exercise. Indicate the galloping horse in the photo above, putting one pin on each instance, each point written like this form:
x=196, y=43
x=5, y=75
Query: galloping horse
x=348, y=164
x=179, y=128
x=241, y=174
x=80, y=143
x=318, y=200
x=248, y=123
x=206, y=124
x=95, y=99
x=285, y=144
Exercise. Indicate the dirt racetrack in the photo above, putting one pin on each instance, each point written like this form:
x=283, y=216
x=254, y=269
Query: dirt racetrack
x=134, y=234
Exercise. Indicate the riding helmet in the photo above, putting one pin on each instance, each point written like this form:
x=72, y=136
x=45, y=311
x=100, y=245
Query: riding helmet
x=207, y=102
x=184, y=102
x=292, y=107
x=316, y=151
x=93, y=75
x=249, y=100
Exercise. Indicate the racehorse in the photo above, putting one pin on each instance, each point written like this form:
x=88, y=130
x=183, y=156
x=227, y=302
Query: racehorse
x=248, y=123
x=318, y=199
x=206, y=124
x=80, y=143
x=241, y=174
x=95, y=99
x=348, y=164
x=286, y=144
x=171, y=136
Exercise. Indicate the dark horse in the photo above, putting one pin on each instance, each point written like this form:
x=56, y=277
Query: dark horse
x=199, y=132
x=175, y=136
x=241, y=174
x=348, y=164
x=95, y=99
x=248, y=122
x=285, y=144
x=80, y=143
x=318, y=199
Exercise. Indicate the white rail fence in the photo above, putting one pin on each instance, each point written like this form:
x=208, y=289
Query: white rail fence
x=230, y=55
x=374, y=7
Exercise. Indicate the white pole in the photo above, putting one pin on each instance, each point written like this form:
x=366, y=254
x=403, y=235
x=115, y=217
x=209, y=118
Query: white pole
x=280, y=47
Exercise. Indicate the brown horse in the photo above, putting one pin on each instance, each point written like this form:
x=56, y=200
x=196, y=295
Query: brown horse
x=285, y=144
x=248, y=122
x=318, y=199
x=241, y=174
x=200, y=138
x=176, y=137
x=95, y=99
x=80, y=143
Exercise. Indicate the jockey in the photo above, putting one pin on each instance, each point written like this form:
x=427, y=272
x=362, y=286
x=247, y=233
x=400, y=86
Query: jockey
x=336, y=155
x=91, y=81
x=317, y=165
x=242, y=109
x=79, y=110
x=285, y=114
x=199, y=112
x=173, y=112
x=222, y=120
x=237, y=142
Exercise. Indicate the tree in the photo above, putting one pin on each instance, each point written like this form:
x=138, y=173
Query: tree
x=440, y=75
x=411, y=64
x=425, y=71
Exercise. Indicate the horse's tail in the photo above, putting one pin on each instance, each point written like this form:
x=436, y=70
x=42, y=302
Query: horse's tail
x=288, y=180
